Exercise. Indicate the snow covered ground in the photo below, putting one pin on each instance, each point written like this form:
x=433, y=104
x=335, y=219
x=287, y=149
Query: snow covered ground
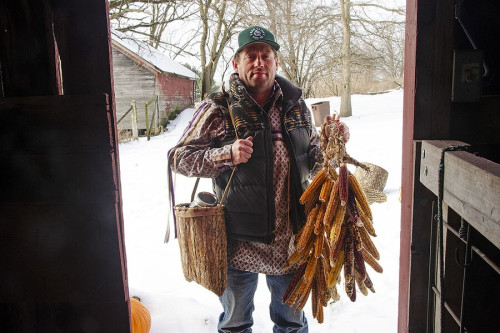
x=154, y=269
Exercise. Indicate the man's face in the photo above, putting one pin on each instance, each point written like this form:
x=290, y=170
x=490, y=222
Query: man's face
x=257, y=66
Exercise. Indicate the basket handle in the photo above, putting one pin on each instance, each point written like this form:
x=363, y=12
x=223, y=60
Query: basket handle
x=221, y=203
x=172, y=184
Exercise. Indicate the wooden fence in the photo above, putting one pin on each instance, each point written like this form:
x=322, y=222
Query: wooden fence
x=150, y=124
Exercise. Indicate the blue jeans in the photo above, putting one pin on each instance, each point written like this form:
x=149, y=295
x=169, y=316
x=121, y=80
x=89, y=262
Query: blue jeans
x=237, y=303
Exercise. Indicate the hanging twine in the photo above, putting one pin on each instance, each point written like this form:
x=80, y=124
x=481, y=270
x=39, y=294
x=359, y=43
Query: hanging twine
x=333, y=139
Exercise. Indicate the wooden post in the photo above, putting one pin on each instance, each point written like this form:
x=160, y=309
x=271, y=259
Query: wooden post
x=154, y=101
x=152, y=122
x=146, y=116
x=135, y=132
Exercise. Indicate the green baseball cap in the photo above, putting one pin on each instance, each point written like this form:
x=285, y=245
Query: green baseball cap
x=256, y=34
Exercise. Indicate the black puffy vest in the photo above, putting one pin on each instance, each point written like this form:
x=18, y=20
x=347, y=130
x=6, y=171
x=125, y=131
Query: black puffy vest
x=249, y=205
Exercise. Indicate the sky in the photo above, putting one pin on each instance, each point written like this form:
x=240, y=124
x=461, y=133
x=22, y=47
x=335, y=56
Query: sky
x=154, y=268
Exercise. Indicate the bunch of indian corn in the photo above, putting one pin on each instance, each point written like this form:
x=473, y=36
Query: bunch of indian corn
x=337, y=234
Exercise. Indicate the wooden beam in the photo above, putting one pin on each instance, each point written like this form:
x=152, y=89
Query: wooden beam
x=471, y=185
x=420, y=252
x=407, y=164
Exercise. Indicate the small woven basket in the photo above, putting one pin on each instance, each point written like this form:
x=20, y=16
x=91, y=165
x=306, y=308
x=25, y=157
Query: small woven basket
x=372, y=182
x=201, y=232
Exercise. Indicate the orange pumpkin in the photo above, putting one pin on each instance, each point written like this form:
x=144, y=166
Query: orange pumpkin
x=140, y=317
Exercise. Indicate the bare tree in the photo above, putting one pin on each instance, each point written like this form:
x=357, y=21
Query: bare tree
x=372, y=48
x=300, y=28
x=219, y=19
x=148, y=18
x=345, y=97
x=324, y=45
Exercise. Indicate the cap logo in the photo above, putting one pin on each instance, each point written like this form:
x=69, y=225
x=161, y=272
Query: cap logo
x=257, y=33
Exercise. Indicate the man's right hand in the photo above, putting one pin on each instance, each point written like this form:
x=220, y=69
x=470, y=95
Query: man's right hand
x=242, y=150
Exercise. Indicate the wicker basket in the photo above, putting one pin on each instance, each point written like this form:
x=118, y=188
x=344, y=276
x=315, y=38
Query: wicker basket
x=201, y=233
x=372, y=182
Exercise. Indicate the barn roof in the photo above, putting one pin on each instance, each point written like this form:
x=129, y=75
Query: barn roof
x=149, y=54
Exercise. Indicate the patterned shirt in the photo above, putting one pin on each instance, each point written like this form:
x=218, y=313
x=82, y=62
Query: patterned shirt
x=197, y=158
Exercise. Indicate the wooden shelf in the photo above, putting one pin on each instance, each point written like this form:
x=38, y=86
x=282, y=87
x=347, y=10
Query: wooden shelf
x=471, y=185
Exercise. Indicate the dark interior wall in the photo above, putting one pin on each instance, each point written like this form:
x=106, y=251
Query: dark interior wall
x=61, y=226
x=476, y=29
x=439, y=35
x=28, y=56
x=433, y=34
x=428, y=74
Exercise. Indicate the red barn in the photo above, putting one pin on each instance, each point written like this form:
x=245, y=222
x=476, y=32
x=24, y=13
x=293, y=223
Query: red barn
x=142, y=73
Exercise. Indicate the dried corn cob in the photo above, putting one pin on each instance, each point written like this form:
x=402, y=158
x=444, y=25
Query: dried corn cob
x=293, y=259
x=343, y=184
x=316, y=183
x=320, y=317
x=352, y=296
x=294, y=283
x=337, y=224
x=309, y=246
x=368, y=283
x=325, y=190
x=356, y=237
x=360, y=195
x=336, y=247
x=333, y=294
x=301, y=302
x=349, y=265
x=371, y=261
x=360, y=283
x=299, y=256
x=359, y=264
x=367, y=223
x=318, y=247
x=308, y=229
x=321, y=282
x=309, y=205
x=335, y=271
x=314, y=298
x=318, y=226
x=311, y=268
x=295, y=295
x=317, y=306
x=332, y=205
x=352, y=209
x=350, y=283
x=301, y=292
x=368, y=244
x=326, y=249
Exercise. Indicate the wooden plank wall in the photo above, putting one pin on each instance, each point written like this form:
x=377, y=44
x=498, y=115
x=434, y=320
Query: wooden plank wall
x=407, y=163
x=61, y=225
x=432, y=35
x=132, y=82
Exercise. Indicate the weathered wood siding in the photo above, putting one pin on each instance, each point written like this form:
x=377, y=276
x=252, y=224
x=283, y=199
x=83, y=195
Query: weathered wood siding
x=132, y=82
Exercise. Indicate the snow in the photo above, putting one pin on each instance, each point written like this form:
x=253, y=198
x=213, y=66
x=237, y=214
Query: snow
x=154, y=269
x=152, y=55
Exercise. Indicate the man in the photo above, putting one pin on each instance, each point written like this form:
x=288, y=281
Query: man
x=275, y=148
